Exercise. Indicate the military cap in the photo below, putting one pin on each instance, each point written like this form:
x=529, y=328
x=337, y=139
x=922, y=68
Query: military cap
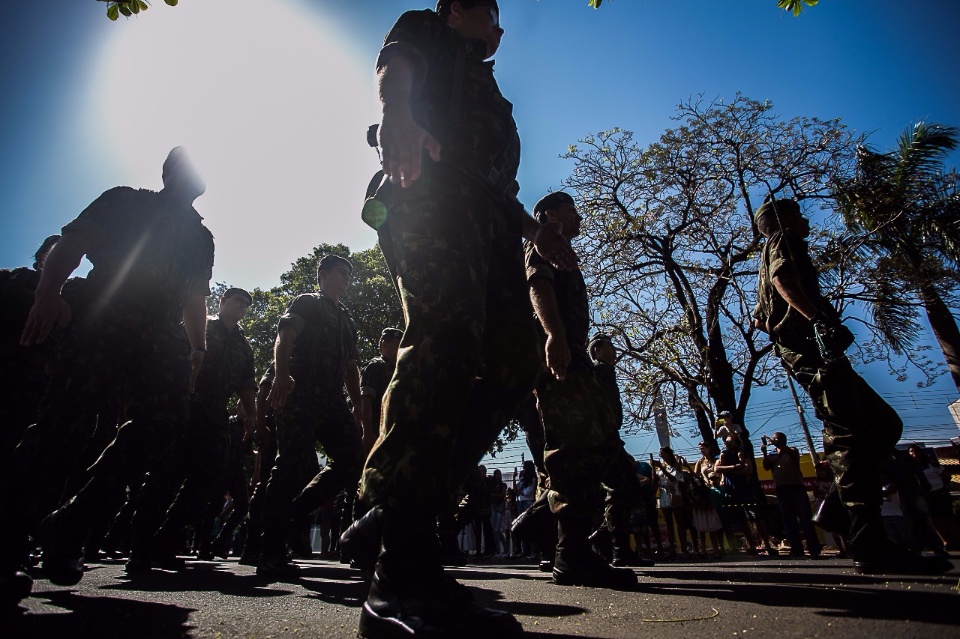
x=327, y=262
x=391, y=333
x=598, y=339
x=551, y=201
x=782, y=207
x=233, y=292
x=443, y=6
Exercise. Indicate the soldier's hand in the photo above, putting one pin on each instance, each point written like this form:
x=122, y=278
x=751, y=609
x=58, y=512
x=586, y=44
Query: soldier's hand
x=558, y=357
x=281, y=389
x=45, y=313
x=402, y=141
x=249, y=428
x=196, y=363
x=554, y=247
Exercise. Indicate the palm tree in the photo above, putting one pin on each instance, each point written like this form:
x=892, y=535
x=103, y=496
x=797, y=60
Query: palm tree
x=904, y=211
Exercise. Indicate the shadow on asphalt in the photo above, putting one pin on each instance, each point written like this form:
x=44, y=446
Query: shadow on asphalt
x=86, y=617
x=772, y=575
x=491, y=574
x=818, y=593
x=203, y=578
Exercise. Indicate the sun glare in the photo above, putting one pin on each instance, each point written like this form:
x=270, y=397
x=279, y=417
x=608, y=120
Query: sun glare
x=273, y=107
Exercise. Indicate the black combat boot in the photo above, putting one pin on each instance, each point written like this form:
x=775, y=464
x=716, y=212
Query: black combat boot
x=537, y=525
x=624, y=555
x=412, y=598
x=360, y=542
x=875, y=554
x=450, y=552
x=15, y=580
x=62, y=541
x=273, y=563
x=577, y=565
x=832, y=515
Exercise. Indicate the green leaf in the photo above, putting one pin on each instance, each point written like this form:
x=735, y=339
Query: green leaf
x=124, y=9
x=172, y=3
x=595, y=4
x=112, y=11
x=143, y=5
x=134, y=6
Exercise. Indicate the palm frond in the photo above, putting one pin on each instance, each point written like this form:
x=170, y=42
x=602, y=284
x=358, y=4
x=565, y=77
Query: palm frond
x=894, y=317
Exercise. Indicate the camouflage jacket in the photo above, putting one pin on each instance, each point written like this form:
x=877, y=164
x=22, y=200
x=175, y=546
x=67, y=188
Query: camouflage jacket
x=456, y=98
x=149, y=255
x=785, y=250
x=326, y=340
x=228, y=366
x=572, y=301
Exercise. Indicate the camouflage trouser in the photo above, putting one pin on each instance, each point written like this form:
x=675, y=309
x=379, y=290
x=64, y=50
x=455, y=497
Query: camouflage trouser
x=151, y=356
x=860, y=429
x=581, y=438
x=622, y=492
x=198, y=472
x=310, y=415
x=529, y=420
x=23, y=381
x=468, y=357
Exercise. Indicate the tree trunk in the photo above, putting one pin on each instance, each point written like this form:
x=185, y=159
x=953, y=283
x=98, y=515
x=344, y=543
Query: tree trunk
x=944, y=328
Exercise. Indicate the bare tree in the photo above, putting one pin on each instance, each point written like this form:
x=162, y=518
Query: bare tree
x=671, y=246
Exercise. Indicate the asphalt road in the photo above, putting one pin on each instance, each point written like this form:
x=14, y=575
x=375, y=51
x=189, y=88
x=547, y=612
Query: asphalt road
x=779, y=598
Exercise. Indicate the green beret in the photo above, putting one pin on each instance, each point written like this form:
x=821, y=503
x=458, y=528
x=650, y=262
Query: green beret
x=784, y=207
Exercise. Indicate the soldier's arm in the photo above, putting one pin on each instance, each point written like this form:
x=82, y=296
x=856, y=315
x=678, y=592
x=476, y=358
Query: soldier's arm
x=282, y=382
x=545, y=306
x=48, y=307
x=369, y=429
x=791, y=290
x=248, y=399
x=262, y=433
x=549, y=241
x=352, y=380
x=195, y=325
x=401, y=138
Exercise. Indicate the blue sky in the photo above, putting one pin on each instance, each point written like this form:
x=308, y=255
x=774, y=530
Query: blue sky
x=274, y=99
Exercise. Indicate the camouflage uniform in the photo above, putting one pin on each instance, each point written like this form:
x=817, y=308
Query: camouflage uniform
x=374, y=380
x=149, y=256
x=315, y=411
x=621, y=482
x=452, y=243
x=23, y=370
x=200, y=467
x=579, y=420
x=859, y=427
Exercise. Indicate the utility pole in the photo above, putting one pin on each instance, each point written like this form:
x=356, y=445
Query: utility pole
x=803, y=422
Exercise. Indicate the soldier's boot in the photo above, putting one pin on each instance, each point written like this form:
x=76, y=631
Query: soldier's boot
x=61, y=536
x=450, y=552
x=220, y=547
x=141, y=554
x=166, y=543
x=537, y=525
x=273, y=563
x=875, y=554
x=412, y=598
x=577, y=565
x=298, y=537
x=624, y=555
x=832, y=516
x=602, y=542
x=250, y=555
x=360, y=542
x=15, y=580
